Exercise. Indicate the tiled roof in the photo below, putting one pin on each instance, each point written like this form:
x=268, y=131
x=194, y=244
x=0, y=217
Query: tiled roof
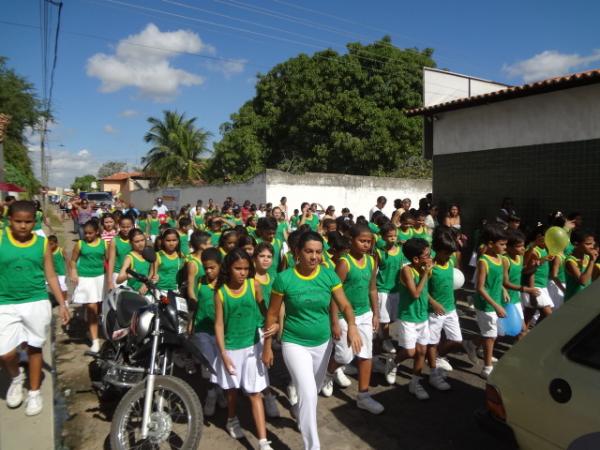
x=120, y=176
x=539, y=87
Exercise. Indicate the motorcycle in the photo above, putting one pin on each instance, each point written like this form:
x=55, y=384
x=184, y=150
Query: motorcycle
x=143, y=334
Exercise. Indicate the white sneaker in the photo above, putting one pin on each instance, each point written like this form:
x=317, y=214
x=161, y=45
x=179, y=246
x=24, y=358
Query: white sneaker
x=210, y=403
x=234, y=429
x=436, y=379
x=271, y=409
x=388, y=347
x=365, y=401
x=391, y=369
x=443, y=363
x=340, y=378
x=415, y=388
x=34, y=403
x=471, y=350
x=292, y=395
x=95, y=346
x=350, y=369
x=263, y=444
x=14, y=395
x=486, y=371
x=481, y=355
x=221, y=400
x=327, y=389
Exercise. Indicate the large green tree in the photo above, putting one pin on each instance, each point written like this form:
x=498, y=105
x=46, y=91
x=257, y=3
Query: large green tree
x=19, y=100
x=110, y=168
x=330, y=112
x=83, y=183
x=178, y=148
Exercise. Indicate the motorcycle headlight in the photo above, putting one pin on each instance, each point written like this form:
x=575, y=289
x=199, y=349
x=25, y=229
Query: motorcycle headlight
x=141, y=323
x=182, y=314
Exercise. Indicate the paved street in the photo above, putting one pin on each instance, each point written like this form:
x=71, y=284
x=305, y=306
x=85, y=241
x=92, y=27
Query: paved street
x=446, y=421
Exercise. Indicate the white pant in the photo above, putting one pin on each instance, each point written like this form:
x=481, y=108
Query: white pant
x=26, y=322
x=343, y=353
x=301, y=361
x=388, y=306
x=449, y=323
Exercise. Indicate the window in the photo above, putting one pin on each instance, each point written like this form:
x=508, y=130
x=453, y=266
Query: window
x=584, y=348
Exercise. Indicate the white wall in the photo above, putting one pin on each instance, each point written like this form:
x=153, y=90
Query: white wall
x=355, y=192
x=440, y=86
x=562, y=116
x=253, y=190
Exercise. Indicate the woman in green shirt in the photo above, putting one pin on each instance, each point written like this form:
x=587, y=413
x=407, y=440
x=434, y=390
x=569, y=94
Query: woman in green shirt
x=307, y=290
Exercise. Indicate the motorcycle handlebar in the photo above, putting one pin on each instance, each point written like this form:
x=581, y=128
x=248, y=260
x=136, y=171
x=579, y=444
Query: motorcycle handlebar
x=144, y=279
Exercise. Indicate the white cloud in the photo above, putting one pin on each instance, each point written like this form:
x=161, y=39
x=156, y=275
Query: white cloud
x=108, y=128
x=128, y=113
x=227, y=68
x=64, y=165
x=548, y=64
x=143, y=61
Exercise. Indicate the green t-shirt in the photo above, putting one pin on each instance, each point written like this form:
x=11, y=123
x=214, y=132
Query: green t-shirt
x=373, y=227
x=171, y=222
x=294, y=222
x=122, y=248
x=22, y=277
x=290, y=260
x=313, y=222
x=199, y=268
x=91, y=258
x=573, y=285
x=143, y=225
x=412, y=309
x=214, y=238
x=281, y=229
x=357, y=282
x=390, y=263
x=441, y=286
x=515, y=272
x=561, y=274
x=139, y=265
x=306, y=301
x=168, y=268
x=421, y=233
x=154, y=226
x=240, y=316
x=199, y=221
x=204, y=319
x=58, y=257
x=184, y=243
x=494, y=278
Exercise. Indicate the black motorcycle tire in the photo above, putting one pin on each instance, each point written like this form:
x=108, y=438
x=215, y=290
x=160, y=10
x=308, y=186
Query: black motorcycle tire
x=185, y=393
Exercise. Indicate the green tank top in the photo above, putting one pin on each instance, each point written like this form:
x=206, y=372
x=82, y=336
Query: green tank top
x=280, y=233
x=404, y=236
x=199, y=221
x=168, y=268
x=199, y=268
x=58, y=258
x=573, y=286
x=494, y=277
x=171, y=222
x=143, y=225
x=139, y=265
x=266, y=287
x=515, y=271
x=542, y=273
x=561, y=274
x=441, y=286
x=390, y=263
x=204, y=320
x=91, y=258
x=184, y=243
x=412, y=309
x=39, y=218
x=214, y=238
x=240, y=316
x=421, y=233
x=122, y=248
x=356, y=284
x=313, y=222
x=154, y=226
x=22, y=277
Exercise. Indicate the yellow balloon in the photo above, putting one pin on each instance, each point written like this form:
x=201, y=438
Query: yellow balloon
x=556, y=239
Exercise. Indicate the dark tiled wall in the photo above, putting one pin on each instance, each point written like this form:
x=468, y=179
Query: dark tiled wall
x=539, y=178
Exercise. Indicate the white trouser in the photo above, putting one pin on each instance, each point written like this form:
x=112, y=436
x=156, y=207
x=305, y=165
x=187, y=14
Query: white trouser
x=301, y=361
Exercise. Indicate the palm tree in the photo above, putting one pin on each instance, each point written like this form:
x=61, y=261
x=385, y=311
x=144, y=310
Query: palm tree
x=178, y=145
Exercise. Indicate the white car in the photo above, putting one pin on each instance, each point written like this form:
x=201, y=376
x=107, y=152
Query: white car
x=545, y=391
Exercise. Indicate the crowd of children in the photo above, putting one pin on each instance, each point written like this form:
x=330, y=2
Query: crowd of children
x=325, y=290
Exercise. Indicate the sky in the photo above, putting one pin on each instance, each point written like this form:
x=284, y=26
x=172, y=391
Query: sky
x=122, y=61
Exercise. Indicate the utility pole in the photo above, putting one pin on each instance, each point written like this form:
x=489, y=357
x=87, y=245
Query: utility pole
x=44, y=163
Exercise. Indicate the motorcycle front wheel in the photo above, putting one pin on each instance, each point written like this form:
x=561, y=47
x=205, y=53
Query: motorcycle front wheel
x=175, y=420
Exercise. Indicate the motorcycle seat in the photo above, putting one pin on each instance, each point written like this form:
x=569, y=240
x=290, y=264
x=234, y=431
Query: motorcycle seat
x=127, y=304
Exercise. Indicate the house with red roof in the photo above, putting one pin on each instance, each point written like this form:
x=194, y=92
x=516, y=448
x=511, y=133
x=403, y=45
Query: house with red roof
x=122, y=184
